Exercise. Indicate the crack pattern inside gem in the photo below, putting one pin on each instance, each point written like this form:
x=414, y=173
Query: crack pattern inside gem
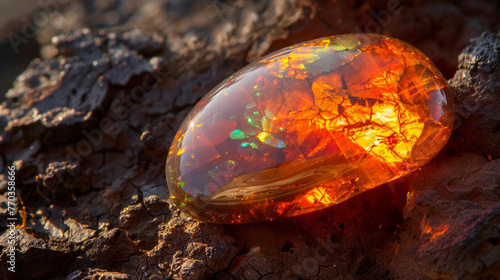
x=307, y=127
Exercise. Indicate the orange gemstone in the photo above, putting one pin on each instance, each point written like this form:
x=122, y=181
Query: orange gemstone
x=307, y=127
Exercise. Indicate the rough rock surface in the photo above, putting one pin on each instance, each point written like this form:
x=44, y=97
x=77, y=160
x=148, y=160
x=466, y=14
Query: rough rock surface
x=88, y=131
x=476, y=86
x=453, y=206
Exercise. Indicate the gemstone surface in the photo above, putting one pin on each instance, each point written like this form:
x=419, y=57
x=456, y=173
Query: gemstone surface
x=307, y=127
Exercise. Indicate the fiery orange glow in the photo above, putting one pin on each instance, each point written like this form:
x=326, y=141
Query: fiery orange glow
x=318, y=195
x=308, y=127
x=436, y=231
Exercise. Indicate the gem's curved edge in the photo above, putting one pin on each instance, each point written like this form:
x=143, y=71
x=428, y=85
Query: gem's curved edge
x=261, y=210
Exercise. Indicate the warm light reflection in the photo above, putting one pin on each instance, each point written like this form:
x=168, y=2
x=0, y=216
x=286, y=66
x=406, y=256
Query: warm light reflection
x=309, y=126
x=436, y=231
x=318, y=195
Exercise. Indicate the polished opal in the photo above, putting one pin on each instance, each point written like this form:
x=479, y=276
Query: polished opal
x=307, y=127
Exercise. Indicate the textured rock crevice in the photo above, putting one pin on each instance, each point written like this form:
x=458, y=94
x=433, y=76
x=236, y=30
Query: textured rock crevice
x=89, y=147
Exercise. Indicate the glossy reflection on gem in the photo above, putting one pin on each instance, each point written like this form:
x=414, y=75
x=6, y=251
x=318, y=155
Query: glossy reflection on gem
x=307, y=127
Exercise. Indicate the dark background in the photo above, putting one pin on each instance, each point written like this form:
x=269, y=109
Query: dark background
x=441, y=29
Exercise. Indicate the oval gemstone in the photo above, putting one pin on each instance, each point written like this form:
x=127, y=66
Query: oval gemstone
x=307, y=127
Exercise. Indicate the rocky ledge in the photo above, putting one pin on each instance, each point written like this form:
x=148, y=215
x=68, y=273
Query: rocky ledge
x=88, y=132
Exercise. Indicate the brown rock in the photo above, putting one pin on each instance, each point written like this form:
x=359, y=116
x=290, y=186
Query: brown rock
x=107, y=250
x=96, y=273
x=35, y=257
x=94, y=123
x=453, y=212
x=476, y=89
